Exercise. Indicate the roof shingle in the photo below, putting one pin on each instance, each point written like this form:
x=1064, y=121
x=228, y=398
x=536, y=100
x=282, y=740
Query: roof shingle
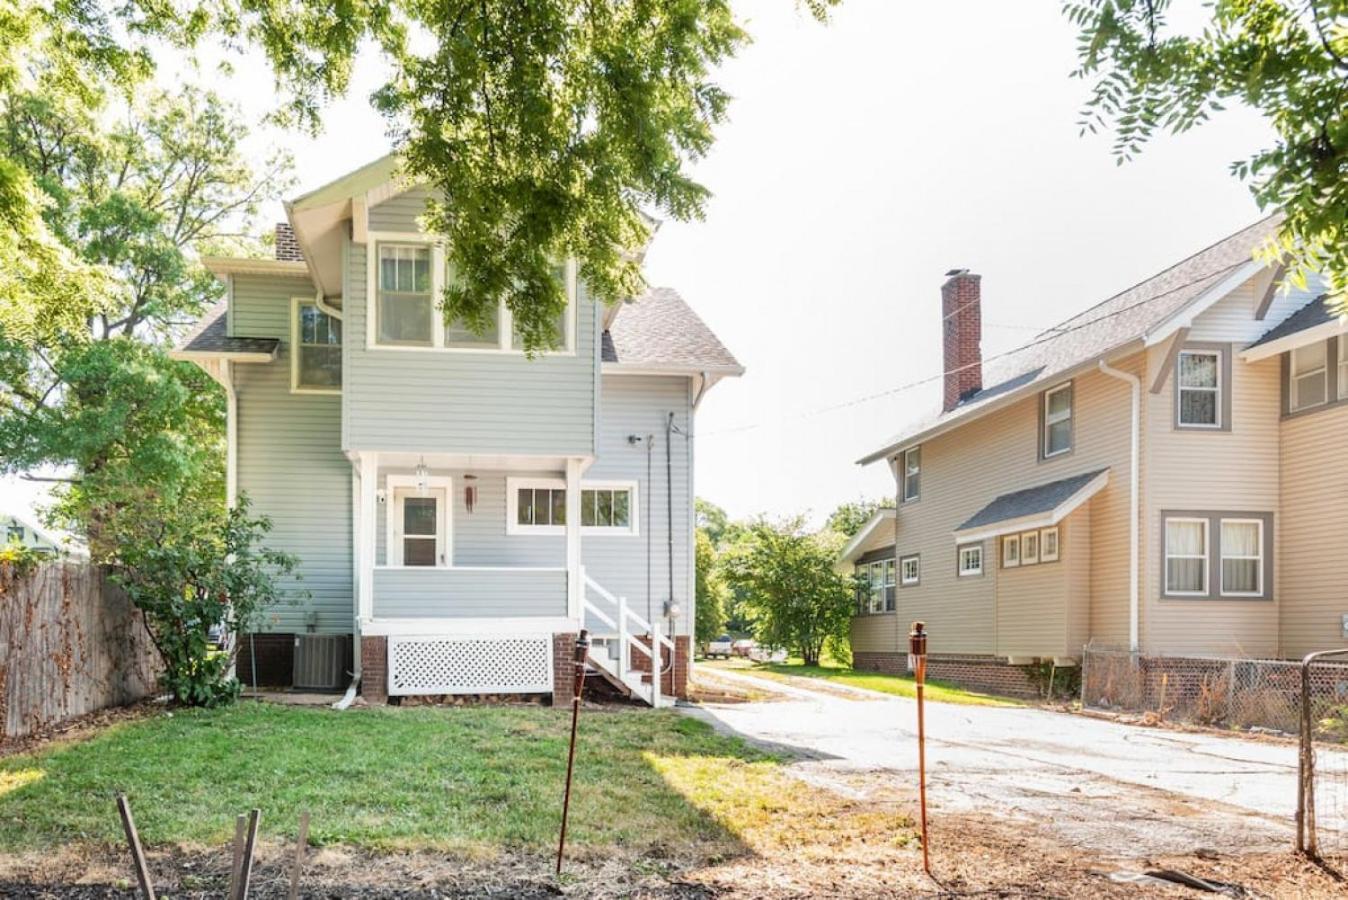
x=659, y=329
x=210, y=335
x=1030, y=501
x=1317, y=312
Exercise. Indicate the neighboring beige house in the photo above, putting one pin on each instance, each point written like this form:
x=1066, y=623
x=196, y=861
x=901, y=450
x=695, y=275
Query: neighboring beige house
x=14, y=528
x=1159, y=473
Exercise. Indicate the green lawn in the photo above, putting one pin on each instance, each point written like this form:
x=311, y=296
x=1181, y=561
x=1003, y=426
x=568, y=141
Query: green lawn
x=898, y=685
x=465, y=779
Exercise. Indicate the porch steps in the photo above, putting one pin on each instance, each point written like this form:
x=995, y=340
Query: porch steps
x=629, y=627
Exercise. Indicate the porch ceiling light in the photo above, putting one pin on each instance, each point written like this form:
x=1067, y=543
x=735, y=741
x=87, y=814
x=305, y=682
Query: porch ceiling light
x=423, y=476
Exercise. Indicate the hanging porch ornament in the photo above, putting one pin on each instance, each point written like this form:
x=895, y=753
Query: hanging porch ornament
x=423, y=477
x=469, y=492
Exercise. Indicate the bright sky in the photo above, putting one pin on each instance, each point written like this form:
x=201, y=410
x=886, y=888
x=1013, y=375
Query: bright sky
x=863, y=159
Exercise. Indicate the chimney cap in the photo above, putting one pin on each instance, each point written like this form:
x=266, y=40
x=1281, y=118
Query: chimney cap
x=953, y=272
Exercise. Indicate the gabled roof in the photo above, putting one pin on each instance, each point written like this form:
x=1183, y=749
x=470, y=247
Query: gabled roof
x=210, y=338
x=849, y=552
x=1105, y=329
x=1312, y=315
x=1040, y=506
x=659, y=331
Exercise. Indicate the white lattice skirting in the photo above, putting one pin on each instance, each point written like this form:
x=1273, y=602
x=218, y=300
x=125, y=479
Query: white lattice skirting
x=514, y=664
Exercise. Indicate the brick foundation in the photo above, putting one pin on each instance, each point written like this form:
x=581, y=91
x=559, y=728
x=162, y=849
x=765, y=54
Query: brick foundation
x=977, y=673
x=374, y=669
x=275, y=655
x=675, y=681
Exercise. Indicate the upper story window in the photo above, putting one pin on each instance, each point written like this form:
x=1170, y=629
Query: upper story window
x=1057, y=437
x=912, y=474
x=1199, y=385
x=316, y=360
x=1309, y=376
x=407, y=283
x=405, y=304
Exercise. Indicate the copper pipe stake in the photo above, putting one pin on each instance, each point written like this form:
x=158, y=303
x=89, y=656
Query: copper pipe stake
x=917, y=648
x=582, y=651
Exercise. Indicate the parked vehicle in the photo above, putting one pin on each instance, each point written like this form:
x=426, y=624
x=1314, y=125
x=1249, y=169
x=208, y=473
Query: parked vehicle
x=743, y=647
x=722, y=647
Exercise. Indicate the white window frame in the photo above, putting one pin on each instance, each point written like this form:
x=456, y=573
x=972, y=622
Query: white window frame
x=295, y=386
x=1293, y=379
x=1166, y=557
x=909, y=472
x=916, y=560
x=396, y=488
x=1343, y=366
x=1044, y=535
x=964, y=552
x=505, y=323
x=890, y=580
x=1051, y=419
x=1029, y=548
x=1009, y=541
x=513, y=486
x=1180, y=388
x=1222, y=556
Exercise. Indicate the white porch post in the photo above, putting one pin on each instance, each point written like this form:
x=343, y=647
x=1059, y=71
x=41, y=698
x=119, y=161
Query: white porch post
x=365, y=528
x=574, y=586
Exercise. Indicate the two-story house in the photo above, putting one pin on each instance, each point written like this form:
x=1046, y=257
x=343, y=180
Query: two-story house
x=459, y=510
x=1158, y=473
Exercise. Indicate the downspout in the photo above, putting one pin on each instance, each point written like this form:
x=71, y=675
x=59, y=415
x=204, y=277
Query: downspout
x=1134, y=513
x=322, y=304
x=350, y=696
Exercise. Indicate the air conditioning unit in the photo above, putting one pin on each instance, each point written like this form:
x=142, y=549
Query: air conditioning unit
x=320, y=662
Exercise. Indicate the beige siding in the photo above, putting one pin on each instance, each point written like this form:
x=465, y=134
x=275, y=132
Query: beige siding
x=1075, y=544
x=1231, y=319
x=876, y=633
x=965, y=469
x=1313, y=567
x=1032, y=609
x=1236, y=471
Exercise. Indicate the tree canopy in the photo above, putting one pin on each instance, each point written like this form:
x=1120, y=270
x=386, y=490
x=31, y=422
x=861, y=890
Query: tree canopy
x=1287, y=60
x=848, y=517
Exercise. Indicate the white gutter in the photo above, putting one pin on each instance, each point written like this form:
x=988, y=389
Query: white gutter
x=1133, y=493
x=322, y=304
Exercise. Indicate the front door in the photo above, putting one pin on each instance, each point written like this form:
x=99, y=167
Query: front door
x=419, y=528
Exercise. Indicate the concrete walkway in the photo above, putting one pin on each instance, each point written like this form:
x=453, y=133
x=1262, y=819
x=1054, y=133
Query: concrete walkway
x=1125, y=789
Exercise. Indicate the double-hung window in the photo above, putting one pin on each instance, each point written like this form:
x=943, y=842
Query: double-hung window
x=970, y=560
x=889, y=585
x=1057, y=438
x=1199, y=385
x=1186, y=556
x=1242, y=543
x=317, y=347
x=1309, y=382
x=910, y=570
x=912, y=474
x=405, y=303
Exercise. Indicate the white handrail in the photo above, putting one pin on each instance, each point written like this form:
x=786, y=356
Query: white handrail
x=635, y=617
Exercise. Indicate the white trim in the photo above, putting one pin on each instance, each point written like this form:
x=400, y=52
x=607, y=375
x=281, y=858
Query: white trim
x=1134, y=383
x=222, y=266
x=1043, y=544
x=513, y=486
x=1009, y=541
x=961, y=550
x=1166, y=556
x=1069, y=417
x=1222, y=557
x=1028, y=538
x=916, y=559
x=690, y=370
x=1180, y=388
x=295, y=304
x=204, y=356
x=387, y=567
x=448, y=627
x=1185, y=315
x=910, y=472
x=444, y=525
x=633, y=528
x=1294, y=380
x=513, y=527
x=575, y=573
x=1322, y=332
x=369, y=484
x=849, y=552
x=1037, y=520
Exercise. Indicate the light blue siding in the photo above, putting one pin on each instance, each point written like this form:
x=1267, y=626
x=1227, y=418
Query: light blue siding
x=457, y=402
x=400, y=212
x=291, y=464
x=639, y=405
x=469, y=593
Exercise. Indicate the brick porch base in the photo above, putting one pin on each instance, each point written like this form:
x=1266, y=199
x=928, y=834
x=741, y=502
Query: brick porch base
x=978, y=673
x=374, y=669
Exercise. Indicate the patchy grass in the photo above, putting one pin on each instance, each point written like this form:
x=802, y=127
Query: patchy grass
x=463, y=779
x=899, y=686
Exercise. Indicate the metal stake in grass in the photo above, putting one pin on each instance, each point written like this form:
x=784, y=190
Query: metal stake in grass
x=582, y=650
x=917, y=659
x=249, y=848
x=300, y=844
x=137, y=852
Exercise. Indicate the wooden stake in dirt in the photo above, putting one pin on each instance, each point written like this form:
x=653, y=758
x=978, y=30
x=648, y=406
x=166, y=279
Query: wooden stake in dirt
x=917, y=660
x=582, y=651
x=137, y=852
x=300, y=844
x=240, y=825
x=249, y=848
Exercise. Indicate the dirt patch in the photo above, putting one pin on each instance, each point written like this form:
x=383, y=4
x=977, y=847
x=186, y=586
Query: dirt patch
x=81, y=727
x=707, y=687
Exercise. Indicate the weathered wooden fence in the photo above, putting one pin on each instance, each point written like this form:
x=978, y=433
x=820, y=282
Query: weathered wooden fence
x=70, y=643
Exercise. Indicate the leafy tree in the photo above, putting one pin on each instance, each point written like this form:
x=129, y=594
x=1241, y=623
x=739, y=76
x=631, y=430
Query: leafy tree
x=710, y=519
x=793, y=595
x=195, y=571
x=848, y=518
x=550, y=124
x=1287, y=60
x=710, y=592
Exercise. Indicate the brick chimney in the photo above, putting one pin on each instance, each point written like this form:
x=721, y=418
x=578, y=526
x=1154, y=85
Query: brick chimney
x=287, y=247
x=962, y=328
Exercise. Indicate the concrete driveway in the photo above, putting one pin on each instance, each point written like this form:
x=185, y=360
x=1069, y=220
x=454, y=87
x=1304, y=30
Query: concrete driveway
x=1120, y=789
